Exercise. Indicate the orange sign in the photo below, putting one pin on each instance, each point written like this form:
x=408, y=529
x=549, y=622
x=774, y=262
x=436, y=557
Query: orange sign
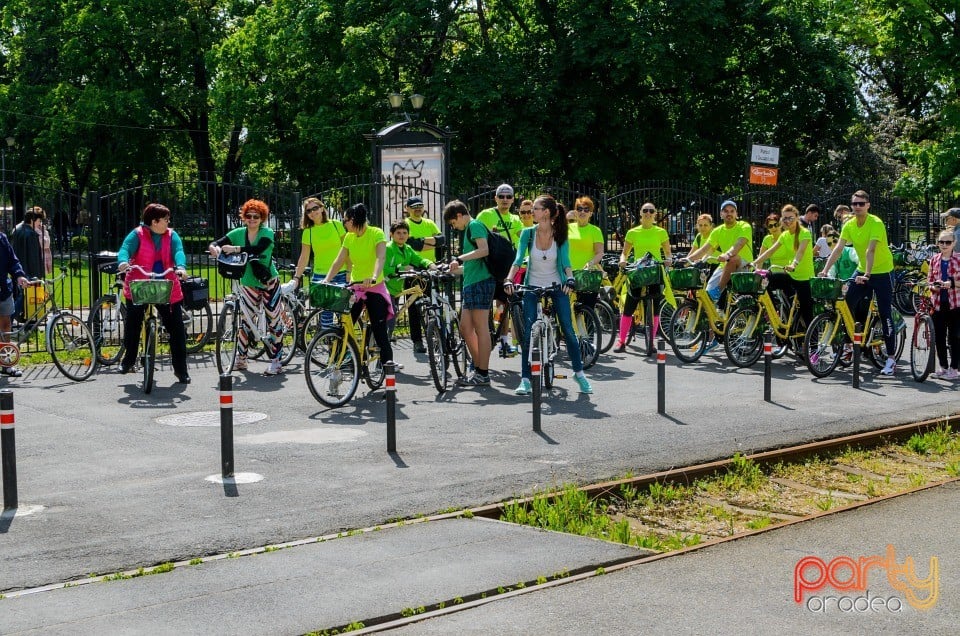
x=763, y=175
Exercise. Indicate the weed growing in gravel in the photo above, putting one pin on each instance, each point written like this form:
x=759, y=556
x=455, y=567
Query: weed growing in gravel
x=939, y=441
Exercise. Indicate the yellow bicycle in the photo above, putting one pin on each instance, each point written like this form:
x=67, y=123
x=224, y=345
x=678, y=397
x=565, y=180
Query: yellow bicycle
x=743, y=340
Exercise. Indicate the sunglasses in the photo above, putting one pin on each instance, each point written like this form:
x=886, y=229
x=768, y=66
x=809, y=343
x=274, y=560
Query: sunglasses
x=583, y=209
x=252, y=217
x=858, y=204
x=313, y=209
x=773, y=225
x=504, y=196
x=648, y=211
x=944, y=242
x=526, y=211
x=788, y=219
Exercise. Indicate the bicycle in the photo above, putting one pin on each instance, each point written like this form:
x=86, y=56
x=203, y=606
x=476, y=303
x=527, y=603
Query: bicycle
x=923, y=347
x=543, y=332
x=697, y=315
x=442, y=334
x=68, y=339
x=828, y=337
x=743, y=340
x=229, y=325
x=339, y=356
x=107, y=321
x=153, y=290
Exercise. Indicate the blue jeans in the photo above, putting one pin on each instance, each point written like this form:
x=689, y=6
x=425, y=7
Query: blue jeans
x=561, y=305
x=882, y=287
x=326, y=317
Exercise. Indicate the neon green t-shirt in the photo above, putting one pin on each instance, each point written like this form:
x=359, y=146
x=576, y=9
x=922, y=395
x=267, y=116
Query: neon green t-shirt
x=474, y=270
x=645, y=240
x=724, y=238
x=804, y=270
x=425, y=228
x=490, y=219
x=860, y=237
x=780, y=257
x=363, y=253
x=582, y=240
x=324, y=240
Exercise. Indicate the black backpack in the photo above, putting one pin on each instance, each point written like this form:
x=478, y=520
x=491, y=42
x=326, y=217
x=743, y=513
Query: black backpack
x=500, y=256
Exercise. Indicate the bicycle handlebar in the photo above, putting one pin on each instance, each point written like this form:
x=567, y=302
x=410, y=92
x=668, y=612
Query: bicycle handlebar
x=150, y=274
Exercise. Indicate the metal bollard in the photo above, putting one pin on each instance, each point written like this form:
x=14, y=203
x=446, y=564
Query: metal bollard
x=536, y=378
x=767, y=366
x=857, y=345
x=390, y=384
x=226, y=425
x=8, y=449
x=661, y=376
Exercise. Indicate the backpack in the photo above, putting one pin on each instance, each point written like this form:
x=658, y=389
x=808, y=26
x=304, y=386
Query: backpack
x=500, y=256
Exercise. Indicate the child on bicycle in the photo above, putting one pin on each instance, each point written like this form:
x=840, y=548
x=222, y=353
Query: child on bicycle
x=400, y=257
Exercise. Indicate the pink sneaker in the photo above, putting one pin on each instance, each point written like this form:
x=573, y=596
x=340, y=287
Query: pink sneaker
x=951, y=374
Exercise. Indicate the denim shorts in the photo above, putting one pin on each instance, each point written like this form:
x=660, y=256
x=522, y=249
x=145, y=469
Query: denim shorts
x=479, y=295
x=7, y=306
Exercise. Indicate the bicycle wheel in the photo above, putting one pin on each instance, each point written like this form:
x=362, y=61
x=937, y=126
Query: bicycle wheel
x=106, y=323
x=332, y=368
x=291, y=332
x=609, y=324
x=666, y=313
x=198, y=323
x=457, y=348
x=373, y=371
x=149, y=353
x=743, y=339
x=903, y=295
x=922, y=348
x=648, y=336
x=688, y=332
x=227, y=326
x=589, y=335
x=311, y=327
x=875, y=349
x=517, y=321
x=544, y=348
x=823, y=344
x=437, y=354
x=72, y=347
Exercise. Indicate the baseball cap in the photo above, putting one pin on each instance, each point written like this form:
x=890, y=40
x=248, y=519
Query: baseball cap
x=728, y=202
x=954, y=212
x=414, y=202
x=504, y=188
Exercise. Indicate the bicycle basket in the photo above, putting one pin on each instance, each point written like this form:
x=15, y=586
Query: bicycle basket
x=746, y=282
x=196, y=293
x=331, y=297
x=685, y=278
x=826, y=288
x=151, y=292
x=899, y=259
x=643, y=276
x=588, y=280
x=232, y=266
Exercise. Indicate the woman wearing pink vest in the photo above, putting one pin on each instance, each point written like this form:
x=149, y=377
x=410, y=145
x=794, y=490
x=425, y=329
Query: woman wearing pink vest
x=156, y=248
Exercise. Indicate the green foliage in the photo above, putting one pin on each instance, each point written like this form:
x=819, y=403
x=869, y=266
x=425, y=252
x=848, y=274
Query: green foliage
x=742, y=473
x=571, y=511
x=939, y=441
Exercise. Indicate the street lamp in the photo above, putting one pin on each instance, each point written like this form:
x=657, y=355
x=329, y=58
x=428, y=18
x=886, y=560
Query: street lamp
x=416, y=100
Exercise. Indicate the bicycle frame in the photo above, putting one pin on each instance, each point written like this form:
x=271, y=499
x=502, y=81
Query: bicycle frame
x=780, y=328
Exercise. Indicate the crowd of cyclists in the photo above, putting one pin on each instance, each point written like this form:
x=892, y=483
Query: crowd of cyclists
x=553, y=246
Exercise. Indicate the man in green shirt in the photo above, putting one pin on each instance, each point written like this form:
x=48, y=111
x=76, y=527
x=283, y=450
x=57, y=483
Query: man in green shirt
x=734, y=239
x=868, y=235
x=423, y=231
x=499, y=219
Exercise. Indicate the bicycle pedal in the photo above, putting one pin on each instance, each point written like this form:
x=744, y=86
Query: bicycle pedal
x=559, y=376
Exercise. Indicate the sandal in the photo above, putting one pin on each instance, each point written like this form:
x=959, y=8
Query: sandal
x=13, y=372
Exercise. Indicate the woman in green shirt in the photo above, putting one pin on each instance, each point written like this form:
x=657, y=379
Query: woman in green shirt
x=260, y=284
x=586, y=244
x=322, y=237
x=644, y=238
x=796, y=243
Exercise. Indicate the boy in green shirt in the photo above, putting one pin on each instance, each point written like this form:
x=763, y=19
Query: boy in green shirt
x=401, y=257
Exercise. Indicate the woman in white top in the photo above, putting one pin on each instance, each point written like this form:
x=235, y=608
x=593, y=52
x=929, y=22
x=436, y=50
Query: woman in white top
x=824, y=244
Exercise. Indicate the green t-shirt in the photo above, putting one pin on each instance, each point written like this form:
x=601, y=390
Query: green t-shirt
x=324, y=241
x=238, y=236
x=780, y=257
x=582, y=240
x=425, y=228
x=724, y=238
x=490, y=219
x=645, y=240
x=860, y=237
x=475, y=270
x=804, y=270
x=397, y=259
x=363, y=253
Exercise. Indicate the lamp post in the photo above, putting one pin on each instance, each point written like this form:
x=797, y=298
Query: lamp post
x=416, y=101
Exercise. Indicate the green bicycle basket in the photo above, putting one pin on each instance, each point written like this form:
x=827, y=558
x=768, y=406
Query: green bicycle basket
x=151, y=292
x=899, y=259
x=643, y=276
x=331, y=297
x=826, y=288
x=746, y=283
x=685, y=278
x=588, y=280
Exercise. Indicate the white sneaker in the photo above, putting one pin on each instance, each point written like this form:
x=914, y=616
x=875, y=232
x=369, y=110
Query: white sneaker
x=276, y=367
x=890, y=367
